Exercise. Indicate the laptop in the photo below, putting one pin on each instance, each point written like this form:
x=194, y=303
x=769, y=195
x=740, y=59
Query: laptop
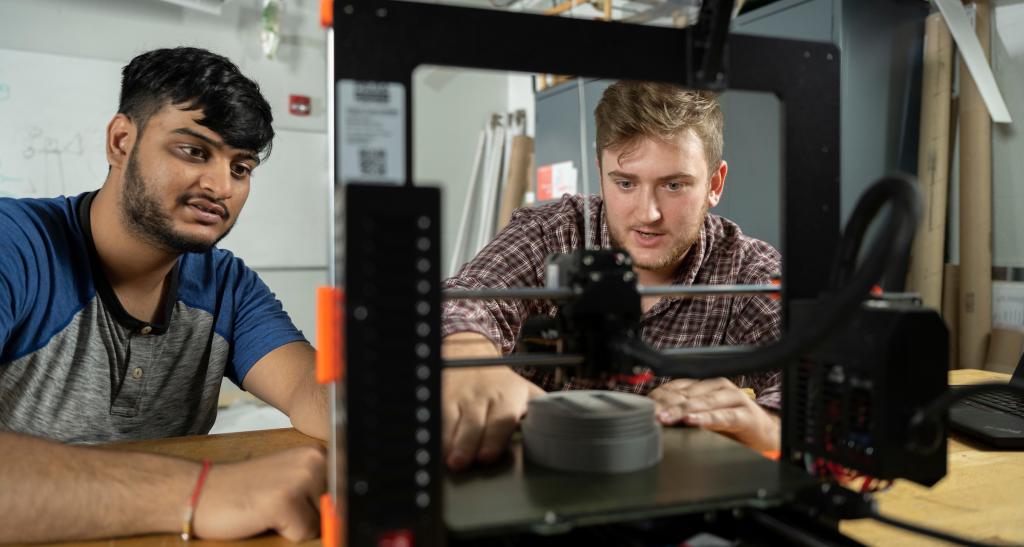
x=996, y=418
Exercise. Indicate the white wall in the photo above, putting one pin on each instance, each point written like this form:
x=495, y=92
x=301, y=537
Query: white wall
x=451, y=106
x=120, y=29
x=117, y=30
x=1008, y=141
x=521, y=97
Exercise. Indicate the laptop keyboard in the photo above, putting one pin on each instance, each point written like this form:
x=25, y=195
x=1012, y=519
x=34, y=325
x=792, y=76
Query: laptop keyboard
x=1010, y=403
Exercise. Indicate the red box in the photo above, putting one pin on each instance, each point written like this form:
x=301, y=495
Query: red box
x=299, y=105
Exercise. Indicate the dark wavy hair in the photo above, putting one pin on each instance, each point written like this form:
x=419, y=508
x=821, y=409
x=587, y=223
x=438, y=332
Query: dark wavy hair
x=197, y=79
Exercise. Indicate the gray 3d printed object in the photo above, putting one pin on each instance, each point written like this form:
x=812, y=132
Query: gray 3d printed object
x=592, y=432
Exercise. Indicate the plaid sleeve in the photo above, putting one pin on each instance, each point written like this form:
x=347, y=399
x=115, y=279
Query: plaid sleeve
x=757, y=321
x=515, y=258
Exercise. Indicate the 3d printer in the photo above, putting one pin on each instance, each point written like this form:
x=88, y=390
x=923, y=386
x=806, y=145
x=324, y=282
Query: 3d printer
x=859, y=375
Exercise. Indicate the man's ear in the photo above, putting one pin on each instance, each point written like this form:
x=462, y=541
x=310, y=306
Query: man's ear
x=717, y=184
x=121, y=135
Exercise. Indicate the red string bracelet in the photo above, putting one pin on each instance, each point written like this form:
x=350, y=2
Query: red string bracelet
x=190, y=510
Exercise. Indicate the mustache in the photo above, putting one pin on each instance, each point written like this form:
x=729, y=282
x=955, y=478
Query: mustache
x=220, y=208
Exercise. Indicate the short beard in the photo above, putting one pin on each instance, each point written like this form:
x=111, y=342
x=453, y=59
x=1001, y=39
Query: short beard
x=674, y=255
x=141, y=214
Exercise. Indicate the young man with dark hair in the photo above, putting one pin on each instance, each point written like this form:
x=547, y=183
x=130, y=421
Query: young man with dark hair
x=119, y=317
x=659, y=152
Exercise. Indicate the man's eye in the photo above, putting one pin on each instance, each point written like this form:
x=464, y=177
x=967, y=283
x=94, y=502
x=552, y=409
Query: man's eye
x=241, y=170
x=624, y=184
x=673, y=186
x=194, y=152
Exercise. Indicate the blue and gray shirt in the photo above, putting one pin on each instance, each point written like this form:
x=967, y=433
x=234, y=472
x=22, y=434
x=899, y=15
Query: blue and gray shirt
x=76, y=367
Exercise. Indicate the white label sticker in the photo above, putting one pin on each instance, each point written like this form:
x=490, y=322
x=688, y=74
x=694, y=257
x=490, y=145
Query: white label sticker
x=1008, y=304
x=371, y=131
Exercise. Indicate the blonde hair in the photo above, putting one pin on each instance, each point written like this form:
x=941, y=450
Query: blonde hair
x=630, y=110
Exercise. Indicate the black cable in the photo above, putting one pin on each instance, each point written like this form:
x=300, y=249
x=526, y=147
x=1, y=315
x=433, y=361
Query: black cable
x=850, y=243
x=857, y=226
x=829, y=313
x=910, y=527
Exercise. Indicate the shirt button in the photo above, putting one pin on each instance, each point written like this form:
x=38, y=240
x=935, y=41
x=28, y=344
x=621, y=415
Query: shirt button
x=137, y=373
x=146, y=330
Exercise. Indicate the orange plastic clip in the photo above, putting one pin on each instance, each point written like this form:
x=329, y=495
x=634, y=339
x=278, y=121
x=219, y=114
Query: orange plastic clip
x=330, y=522
x=778, y=283
x=633, y=379
x=326, y=13
x=330, y=335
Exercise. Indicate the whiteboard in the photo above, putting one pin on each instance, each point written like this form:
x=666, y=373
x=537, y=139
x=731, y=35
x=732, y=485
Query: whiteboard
x=54, y=110
x=53, y=116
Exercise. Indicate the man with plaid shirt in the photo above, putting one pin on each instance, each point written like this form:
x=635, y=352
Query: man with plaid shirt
x=655, y=143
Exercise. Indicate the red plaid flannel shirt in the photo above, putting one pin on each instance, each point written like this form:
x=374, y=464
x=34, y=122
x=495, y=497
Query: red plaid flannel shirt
x=721, y=255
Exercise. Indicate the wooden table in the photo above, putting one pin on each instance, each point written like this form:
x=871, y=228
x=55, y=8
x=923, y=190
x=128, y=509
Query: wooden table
x=982, y=496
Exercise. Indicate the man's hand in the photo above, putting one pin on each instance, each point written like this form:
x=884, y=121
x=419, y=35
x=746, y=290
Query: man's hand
x=280, y=492
x=717, y=404
x=480, y=406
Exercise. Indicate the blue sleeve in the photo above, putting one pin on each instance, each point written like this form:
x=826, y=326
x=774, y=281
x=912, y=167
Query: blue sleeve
x=260, y=323
x=15, y=283
x=45, y=278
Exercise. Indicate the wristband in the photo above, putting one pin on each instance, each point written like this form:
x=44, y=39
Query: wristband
x=190, y=509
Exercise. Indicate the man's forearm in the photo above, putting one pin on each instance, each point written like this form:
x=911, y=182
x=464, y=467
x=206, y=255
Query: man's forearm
x=52, y=492
x=461, y=345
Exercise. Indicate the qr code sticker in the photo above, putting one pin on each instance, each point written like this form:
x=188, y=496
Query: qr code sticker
x=373, y=162
x=372, y=92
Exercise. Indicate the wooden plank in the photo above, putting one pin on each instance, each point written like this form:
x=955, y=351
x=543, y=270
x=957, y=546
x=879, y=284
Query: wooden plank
x=928, y=255
x=951, y=310
x=975, y=210
x=564, y=7
x=518, y=178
